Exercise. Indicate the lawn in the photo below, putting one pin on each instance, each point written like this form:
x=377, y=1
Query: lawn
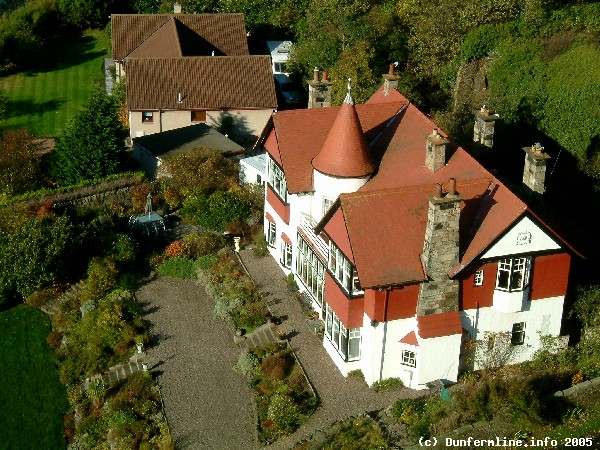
x=42, y=100
x=31, y=397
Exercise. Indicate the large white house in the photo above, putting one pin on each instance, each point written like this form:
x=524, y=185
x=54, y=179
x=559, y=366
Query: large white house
x=409, y=249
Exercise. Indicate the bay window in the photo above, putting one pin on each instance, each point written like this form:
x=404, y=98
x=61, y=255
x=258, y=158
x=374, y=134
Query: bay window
x=277, y=180
x=345, y=341
x=513, y=274
x=310, y=270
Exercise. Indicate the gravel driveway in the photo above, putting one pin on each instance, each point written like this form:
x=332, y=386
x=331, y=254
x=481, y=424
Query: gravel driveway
x=207, y=404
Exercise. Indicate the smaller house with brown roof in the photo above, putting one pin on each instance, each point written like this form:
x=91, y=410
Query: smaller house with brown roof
x=185, y=69
x=420, y=262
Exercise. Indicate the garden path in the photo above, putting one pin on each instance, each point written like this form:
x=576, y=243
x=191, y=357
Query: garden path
x=207, y=404
x=340, y=397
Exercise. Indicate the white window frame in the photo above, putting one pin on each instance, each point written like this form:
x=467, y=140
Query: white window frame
x=327, y=203
x=409, y=358
x=147, y=117
x=513, y=274
x=277, y=180
x=342, y=338
x=517, y=335
x=271, y=234
x=343, y=270
x=310, y=270
x=478, y=278
x=286, y=254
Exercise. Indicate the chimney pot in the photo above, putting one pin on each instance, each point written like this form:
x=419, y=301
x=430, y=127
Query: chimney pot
x=452, y=187
x=324, y=75
x=391, y=71
x=316, y=74
x=435, y=132
x=438, y=190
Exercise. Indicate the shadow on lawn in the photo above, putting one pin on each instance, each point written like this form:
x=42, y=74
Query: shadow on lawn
x=16, y=108
x=63, y=52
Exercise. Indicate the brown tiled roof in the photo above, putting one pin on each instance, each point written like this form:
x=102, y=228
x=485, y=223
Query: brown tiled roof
x=209, y=82
x=345, y=152
x=199, y=34
x=163, y=43
x=301, y=134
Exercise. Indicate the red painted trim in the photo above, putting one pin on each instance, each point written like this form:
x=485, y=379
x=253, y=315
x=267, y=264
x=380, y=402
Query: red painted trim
x=402, y=303
x=269, y=217
x=550, y=276
x=349, y=311
x=280, y=208
x=472, y=296
x=286, y=239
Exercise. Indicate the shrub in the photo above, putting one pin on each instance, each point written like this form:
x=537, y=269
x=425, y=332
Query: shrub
x=202, y=244
x=176, y=249
x=54, y=339
x=102, y=277
x=41, y=298
x=223, y=308
x=357, y=373
x=178, y=267
x=246, y=363
x=215, y=211
x=96, y=391
x=388, y=383
x=406, y=409
x=285, y=413
x=275, y=367
x=260, y=245
x=206, y=261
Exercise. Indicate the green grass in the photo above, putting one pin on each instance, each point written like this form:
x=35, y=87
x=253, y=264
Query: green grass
x=42, y=100
x=31, y=397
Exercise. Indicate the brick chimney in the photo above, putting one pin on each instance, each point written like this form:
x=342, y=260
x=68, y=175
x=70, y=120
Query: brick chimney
x=483, y=131
x=534, y=173
x=177, y=8
x=435, y=153
x=319, y=90
x=390, y=80
x=440, y=252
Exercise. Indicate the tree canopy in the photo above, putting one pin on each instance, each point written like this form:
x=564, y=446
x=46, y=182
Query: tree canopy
x=19, y=163
x=91, y=145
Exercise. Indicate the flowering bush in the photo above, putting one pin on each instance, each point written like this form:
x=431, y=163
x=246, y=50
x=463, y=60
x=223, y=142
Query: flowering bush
x=176, y=249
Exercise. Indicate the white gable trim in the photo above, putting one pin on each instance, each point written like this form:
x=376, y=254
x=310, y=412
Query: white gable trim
x=524, y=237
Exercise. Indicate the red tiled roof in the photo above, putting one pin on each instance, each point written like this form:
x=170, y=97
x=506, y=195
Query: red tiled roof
x=410, y=339
x=205, y=82
x=302, y=133
x=437, y=325
x=345, y=153
x=336, y=226
x=198, y=34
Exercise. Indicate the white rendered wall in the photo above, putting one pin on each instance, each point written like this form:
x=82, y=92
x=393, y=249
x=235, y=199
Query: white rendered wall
x=331, y=187
x=524, y=237
x=438, y=359
x=541, y=317
x=247, y=122
x=372, y=338
x=249, y=173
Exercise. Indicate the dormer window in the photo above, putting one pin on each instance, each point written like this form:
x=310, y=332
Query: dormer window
x=277, y=180
x=513, y=274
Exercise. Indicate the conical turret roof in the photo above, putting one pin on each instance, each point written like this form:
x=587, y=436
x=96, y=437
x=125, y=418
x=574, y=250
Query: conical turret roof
x=345, y=152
